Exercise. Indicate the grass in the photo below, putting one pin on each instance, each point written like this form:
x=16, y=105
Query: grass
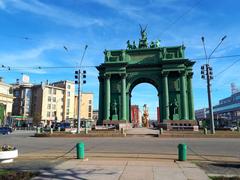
x=16, y=175
x=224, y=178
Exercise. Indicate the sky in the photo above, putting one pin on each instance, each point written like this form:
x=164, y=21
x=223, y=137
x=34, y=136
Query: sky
x=33, y=33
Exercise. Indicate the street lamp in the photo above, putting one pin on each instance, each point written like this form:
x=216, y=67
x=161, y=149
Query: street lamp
x=206, y=73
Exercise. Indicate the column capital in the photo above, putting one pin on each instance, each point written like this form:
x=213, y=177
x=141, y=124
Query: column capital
x=182, y=73
x=165, y=73
x=123, y=76
x=107, y=76
x=190, y=74
x=100, y=78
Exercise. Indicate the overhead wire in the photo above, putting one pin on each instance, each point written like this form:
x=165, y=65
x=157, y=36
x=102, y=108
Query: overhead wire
x=228, y=67
x=181, y=17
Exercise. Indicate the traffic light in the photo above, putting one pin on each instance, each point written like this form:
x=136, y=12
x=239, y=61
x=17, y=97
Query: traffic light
x=77, y=73
x=84, y=77
x=210, y=72
x=203, y=72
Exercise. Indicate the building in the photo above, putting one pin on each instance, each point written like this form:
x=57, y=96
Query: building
x=228, y=110
x=6, y=101
x=135, y=115
x=53, y=102
x=201, y=114
x=86, y=106
x=22, y=103
x=69, y=98
x=158, y=116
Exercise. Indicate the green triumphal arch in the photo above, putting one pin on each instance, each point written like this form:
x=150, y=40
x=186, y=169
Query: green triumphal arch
x=166, y=68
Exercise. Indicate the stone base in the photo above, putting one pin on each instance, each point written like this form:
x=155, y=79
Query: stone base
x=120, y=124
x=179, y=125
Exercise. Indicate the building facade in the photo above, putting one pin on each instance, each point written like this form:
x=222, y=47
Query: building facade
x=201, y=114
x=228, y=110
x=69, y=98
x=6, y=101
x=53, y=102
x=86, y=106
x=22, y=104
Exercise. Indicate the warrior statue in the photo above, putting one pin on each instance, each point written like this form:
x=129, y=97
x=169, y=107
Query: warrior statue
x=145, y=116
x=143, y=41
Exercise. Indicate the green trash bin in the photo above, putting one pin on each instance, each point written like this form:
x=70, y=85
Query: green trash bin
x=80, y=150
x=182, y=152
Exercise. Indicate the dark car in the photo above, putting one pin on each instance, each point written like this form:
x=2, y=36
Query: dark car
x=5, y=130
x=62, y=126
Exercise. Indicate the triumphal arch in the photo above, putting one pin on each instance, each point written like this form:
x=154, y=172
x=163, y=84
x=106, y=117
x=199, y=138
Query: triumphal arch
x=166, y=68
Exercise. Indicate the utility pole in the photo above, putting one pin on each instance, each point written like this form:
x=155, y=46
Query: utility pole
x=80, y=77
x=79, y=80
x=206, y=72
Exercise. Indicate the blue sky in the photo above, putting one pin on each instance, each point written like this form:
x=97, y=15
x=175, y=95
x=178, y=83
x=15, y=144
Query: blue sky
x=33, y=33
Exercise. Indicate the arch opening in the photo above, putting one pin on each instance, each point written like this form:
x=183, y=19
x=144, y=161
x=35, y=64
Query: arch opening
x=144, y=104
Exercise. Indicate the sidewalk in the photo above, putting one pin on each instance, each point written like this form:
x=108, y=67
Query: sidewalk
x=103, y=169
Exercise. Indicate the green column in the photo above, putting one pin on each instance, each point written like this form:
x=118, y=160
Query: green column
x=160, y=106
x=190, y=97
x=127, y=107
x=107, y=97
x=183, y=91
x=100, y=106
x=123, y=96
x=165, y=97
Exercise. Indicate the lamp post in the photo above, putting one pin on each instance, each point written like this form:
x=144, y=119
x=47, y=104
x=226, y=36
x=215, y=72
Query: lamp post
x=206, y=72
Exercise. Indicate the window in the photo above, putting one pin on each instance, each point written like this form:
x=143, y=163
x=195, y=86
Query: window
x=89, y=102
x=54, y=106
x=68, y=93
x=67, y=111
x=49, y=91
x=62, y=99
x=53, y=114
x=49, y=98
x=68, y=103
x=89, y=109
x=49, y=106
x=89, y=115
x=69, y=86
x=54, y=91
x=54, y=99
x=48, y=114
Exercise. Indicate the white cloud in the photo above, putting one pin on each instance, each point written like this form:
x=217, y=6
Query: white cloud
x=27, y=58
x=2, y=4
x=56, y=14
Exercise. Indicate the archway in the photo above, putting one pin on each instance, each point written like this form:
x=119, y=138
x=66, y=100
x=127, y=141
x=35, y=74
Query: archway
x=166, y=68
x=144, y=97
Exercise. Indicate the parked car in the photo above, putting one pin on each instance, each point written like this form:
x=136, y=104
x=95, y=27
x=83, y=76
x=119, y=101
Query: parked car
x=5, y=130
x=62, y=126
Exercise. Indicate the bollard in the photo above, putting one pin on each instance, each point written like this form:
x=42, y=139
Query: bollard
x=86, y=128
x=161, y=131
x=182, y=152
x=205, y=130
x=238, y=128
x=51, y=130
x=38, y=130
x=80, y=150
x=41, y=130
x=122, y=130
x=59, y=129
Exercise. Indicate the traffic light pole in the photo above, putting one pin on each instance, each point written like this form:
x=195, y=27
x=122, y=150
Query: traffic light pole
x=209, y=77
x=212, y=126
x=79, y=102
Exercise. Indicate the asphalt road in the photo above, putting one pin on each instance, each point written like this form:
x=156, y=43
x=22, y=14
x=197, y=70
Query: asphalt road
x=139, y=145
